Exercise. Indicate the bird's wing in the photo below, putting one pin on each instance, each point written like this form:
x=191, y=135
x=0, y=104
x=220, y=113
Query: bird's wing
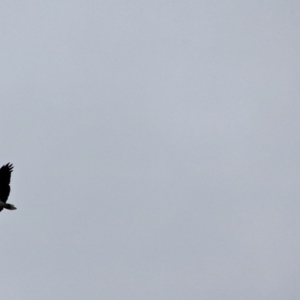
x=5, y=174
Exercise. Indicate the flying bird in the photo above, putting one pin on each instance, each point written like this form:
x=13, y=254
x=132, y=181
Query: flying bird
x=5, y=173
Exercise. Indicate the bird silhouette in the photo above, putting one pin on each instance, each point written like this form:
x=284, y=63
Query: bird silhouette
x=5, y=174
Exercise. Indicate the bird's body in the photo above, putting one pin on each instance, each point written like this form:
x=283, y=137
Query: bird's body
x=5, y=174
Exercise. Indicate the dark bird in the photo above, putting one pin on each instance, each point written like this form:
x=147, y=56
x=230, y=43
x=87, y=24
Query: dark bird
x=5, y=173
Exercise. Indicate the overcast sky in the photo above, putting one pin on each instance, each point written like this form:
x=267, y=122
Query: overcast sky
x=156, y=149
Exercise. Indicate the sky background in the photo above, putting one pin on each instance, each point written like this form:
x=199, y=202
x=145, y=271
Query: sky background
x=156, y=149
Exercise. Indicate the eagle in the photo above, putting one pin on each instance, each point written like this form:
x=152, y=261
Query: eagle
x=5, y=174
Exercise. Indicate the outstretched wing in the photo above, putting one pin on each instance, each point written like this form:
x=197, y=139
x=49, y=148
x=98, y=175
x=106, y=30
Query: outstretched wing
x=5, y=174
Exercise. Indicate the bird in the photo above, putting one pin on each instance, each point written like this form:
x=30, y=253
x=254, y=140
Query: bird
x=5, y=174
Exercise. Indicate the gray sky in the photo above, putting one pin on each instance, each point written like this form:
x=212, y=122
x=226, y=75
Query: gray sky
x=156, y=149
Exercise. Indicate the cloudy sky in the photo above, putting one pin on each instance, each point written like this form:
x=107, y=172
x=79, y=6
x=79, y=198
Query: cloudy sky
x=156, y=149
